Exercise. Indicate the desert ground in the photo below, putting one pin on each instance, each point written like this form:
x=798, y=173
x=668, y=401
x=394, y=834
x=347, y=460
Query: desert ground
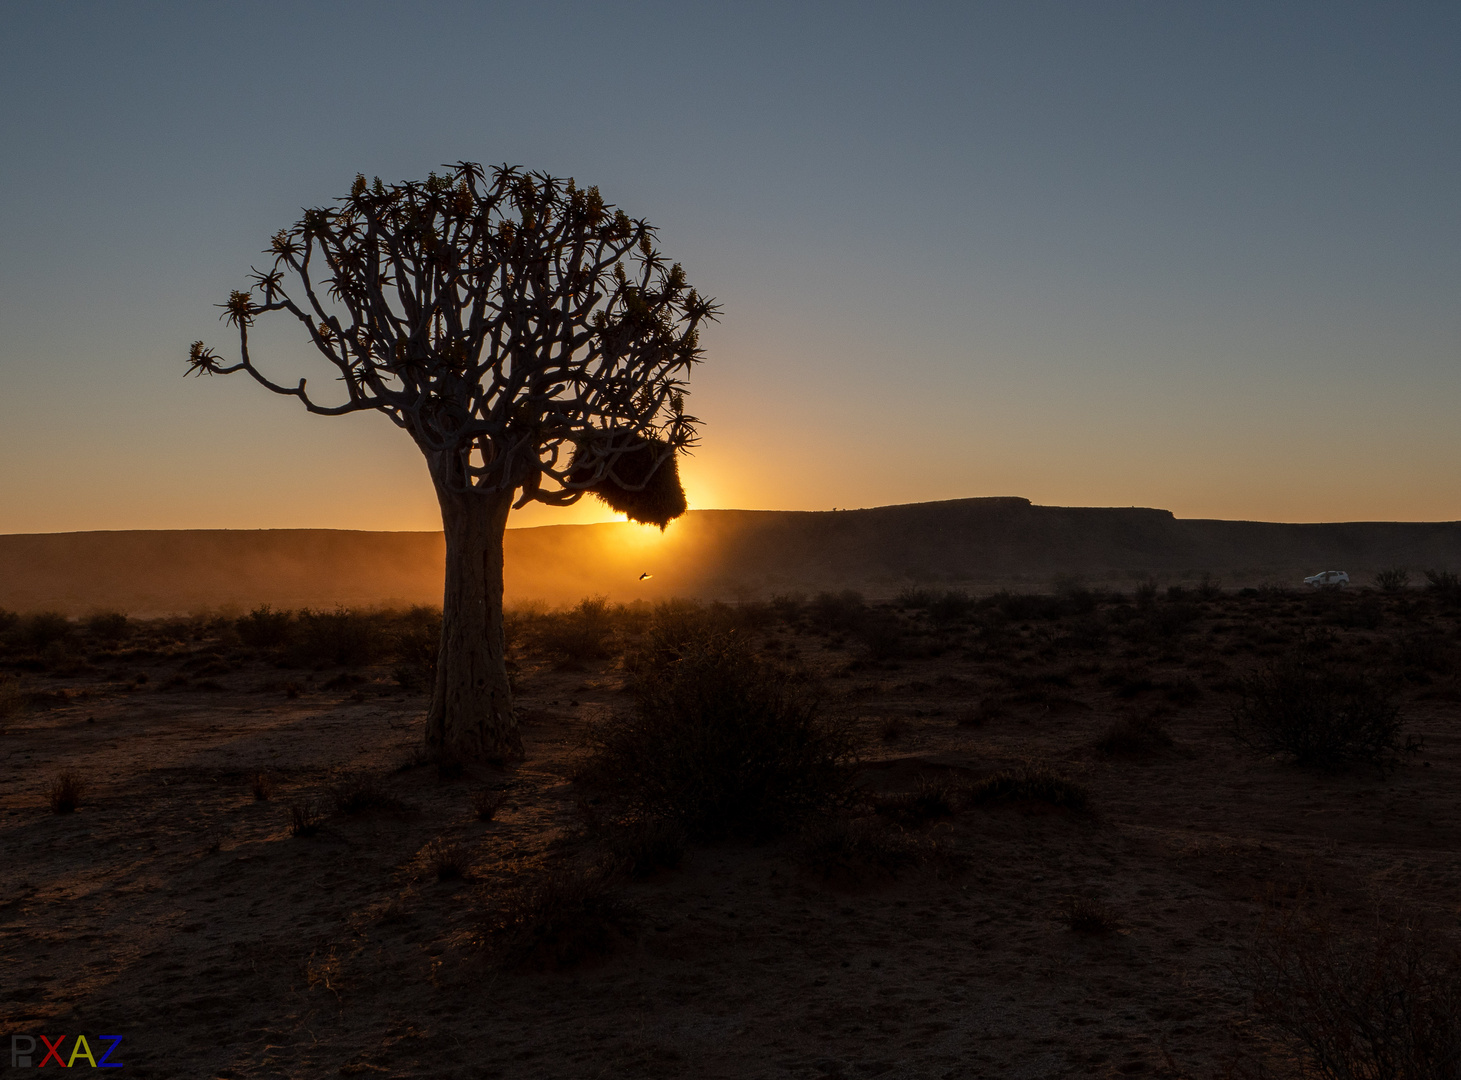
x=265, y=876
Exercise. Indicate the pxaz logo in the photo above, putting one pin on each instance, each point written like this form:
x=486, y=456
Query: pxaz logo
x=23, y=1050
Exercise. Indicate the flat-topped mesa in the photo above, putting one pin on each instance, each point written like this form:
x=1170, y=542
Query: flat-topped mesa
x=974, y=544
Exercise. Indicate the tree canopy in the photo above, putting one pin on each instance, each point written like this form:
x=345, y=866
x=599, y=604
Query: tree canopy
x=525, y=333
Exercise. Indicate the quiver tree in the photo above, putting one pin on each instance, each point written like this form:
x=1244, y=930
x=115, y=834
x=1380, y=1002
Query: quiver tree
x=528, y=337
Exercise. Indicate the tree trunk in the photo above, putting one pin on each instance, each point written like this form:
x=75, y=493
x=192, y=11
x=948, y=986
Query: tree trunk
x=471, y=708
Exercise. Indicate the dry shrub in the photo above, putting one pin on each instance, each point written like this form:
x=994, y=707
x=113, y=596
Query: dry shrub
x=486, y=803
x=417, y=645
x=1444, y=585
x=722, y=743
x=339, y=637
x=951, y=606
x=582, y=633
x=851, y=849
x=1029, y=783
x=672, y=628
x=110, y=626
x=643, y=847
x=34, y=633
x=839, y=611
x=1141, y=734
x=883, y=638
x=264, y=627
x=1087, y=915
x=1393, y=580
x=12, y=701
x=930, y=800
x=985, y=710
x=356, y=793
x=1314, y=712
x=1378, y=1005
x=66, y=793
x=561, y=917
x=445, y=860
x=304, y=818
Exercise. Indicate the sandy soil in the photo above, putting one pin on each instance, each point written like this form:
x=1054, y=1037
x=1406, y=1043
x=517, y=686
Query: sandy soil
x=176, y=909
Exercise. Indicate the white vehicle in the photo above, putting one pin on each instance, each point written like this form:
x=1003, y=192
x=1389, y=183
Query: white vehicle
x=1329, y=579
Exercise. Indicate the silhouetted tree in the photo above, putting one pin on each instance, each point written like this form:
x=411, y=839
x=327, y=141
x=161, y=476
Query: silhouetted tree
x=530, y=339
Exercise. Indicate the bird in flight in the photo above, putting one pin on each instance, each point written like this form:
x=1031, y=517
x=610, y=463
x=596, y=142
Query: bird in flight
x=645, y=576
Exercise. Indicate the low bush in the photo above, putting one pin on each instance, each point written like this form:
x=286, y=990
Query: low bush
x=929, y=801
x=445, y=860
x=12, y=700
x=486, y=803
x=357, y=793
x=1376, y=1005
x=561, y=917
x=34, y=633
x=1029, y=783
x=914, y=597
x=673, y=628
x=66, y=793
x=883, y=638
x=111, y=626
x=304, y=818
x=1132, y=735
x=722, y=743
x=850, y=849
x=1309, y=709
x=582, y=633
x=1087, y=915
x=642, y=847
x=417, y=645
x=1445, y=585
x=839, y=611
x=264, y=627
x=339, y=637
x=1393, y=580
x=950, y=606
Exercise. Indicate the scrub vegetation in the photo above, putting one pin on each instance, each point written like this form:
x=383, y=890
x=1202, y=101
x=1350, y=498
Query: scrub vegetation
x=1160, y=831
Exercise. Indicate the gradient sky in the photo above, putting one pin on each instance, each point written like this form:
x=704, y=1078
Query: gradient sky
x=1199, y=256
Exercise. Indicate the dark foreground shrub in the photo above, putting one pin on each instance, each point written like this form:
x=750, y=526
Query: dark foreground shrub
x=1381, y=1005
x=445, y=860
x=722, y=743
x=1314, y=712
x=264, y=627
x=12, y=700
x=339, y=637
x=486, y=803
x=1393, y=580
x=1088, y=915
x=37, y=631
x=852, y=849
x=584, y=632
x=560, y=918
x=1029, y=783
x=931, y=800
x=66, y=793
x=358, y=793
x=1135, y=735
x=417, y=645
x=1444, y=584
x=110, y=626
x=642, y=847
x=304, y=818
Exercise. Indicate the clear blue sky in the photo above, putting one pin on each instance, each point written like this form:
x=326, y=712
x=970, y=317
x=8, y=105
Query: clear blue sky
x=1202, y=256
